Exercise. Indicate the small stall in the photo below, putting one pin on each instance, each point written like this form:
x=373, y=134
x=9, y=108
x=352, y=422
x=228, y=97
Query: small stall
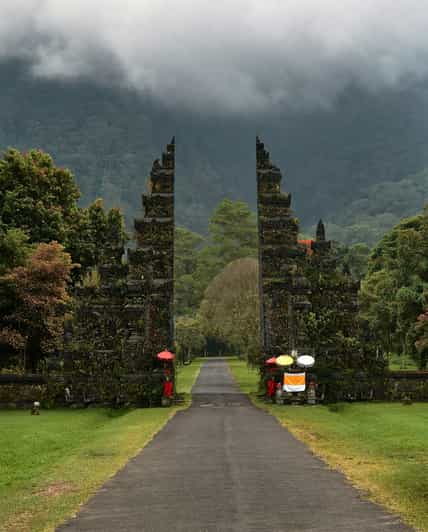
x=287, y=379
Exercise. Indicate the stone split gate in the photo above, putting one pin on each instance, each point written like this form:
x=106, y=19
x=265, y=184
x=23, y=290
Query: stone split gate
x=119, y=326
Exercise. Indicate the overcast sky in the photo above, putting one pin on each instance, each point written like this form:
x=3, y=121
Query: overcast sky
x=223, y=55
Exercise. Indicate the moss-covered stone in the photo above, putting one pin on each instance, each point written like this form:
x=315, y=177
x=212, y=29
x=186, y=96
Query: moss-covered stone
x=122, y=324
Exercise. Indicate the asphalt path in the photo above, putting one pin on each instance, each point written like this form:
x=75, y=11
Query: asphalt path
x=223, y=465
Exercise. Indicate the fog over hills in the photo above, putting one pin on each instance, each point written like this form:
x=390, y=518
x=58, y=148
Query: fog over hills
x=234, y=56
x=338, y=90
x=109, y=136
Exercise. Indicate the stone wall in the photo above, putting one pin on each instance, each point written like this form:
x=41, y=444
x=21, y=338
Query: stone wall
x=412, y=385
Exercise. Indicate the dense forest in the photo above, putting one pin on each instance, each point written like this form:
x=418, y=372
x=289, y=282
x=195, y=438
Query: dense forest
x=217, y=286
x=379, y=208
x=49, y=245
x=359, y=165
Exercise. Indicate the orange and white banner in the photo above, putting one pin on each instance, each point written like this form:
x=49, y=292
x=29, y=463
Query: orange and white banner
x=294, y=382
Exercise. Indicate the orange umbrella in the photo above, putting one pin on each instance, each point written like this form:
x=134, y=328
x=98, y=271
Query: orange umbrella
x=165, y=355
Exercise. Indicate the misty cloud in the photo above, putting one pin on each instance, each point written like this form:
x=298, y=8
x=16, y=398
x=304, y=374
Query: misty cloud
x=223, y=55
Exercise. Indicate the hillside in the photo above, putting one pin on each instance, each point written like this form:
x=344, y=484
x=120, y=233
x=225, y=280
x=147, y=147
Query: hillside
x=338, y=163
x=378, y=209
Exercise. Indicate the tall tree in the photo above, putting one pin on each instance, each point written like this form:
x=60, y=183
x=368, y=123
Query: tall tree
x=39, y=200
x=393, y=293
x=36, y=196
x=232, y=235
x=233, y=230
x=421, y=343
x=230, y=308
x=189, y=337
x=187, y=247
x=32, y=314
x=356, y=258
x=14, y=249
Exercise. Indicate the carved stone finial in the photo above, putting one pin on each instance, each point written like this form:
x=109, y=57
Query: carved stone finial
x=320, y=234
x=262, y=155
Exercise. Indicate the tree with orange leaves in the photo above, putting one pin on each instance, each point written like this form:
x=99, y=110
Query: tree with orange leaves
x=33, y=300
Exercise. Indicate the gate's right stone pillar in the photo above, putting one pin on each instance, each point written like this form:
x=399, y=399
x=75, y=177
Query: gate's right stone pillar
x=282, y=287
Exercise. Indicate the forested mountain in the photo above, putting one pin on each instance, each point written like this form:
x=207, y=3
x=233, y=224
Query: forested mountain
x=379, y=207
x=347, y=164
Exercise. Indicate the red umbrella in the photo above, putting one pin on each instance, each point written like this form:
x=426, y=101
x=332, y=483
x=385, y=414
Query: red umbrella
x=165, y=355
x=271, y=361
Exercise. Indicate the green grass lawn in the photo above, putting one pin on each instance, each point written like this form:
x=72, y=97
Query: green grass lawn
x=186, y=375
x=397, y=362
x=52, y=463
x=381, y=447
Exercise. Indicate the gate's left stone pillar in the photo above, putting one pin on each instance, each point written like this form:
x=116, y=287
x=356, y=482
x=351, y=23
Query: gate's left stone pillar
x=152, y=263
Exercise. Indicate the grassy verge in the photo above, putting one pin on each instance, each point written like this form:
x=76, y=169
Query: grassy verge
x=380, y=447
x=52, y=463
x=186, y=376
x=402, y=363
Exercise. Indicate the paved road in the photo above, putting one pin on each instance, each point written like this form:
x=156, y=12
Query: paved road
x=225, y=466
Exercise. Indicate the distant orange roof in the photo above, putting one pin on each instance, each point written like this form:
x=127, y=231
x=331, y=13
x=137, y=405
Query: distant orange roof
x=308, y=245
